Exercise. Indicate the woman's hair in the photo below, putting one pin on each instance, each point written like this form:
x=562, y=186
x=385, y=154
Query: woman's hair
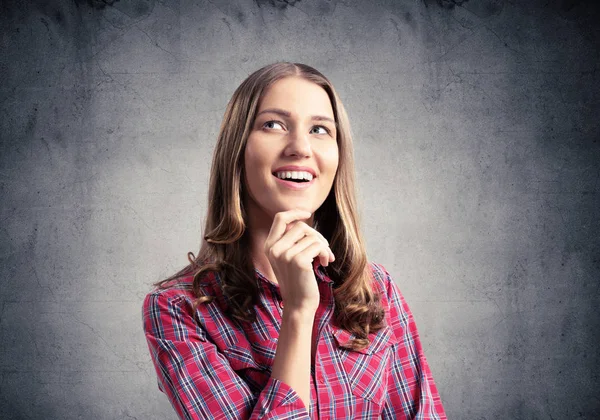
x=224, y=249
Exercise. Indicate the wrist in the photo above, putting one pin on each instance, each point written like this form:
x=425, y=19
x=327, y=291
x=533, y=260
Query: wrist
x=298, y=315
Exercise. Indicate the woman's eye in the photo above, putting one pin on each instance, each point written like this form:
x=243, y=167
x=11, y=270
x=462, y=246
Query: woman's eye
x=272, y=125
x=323, y=129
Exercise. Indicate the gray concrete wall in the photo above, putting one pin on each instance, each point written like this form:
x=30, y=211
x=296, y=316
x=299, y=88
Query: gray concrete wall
x=478, y=158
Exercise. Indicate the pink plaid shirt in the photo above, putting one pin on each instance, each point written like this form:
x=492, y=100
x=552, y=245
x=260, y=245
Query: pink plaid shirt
x=219, y=368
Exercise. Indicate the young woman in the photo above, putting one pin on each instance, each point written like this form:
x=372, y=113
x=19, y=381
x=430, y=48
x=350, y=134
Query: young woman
x=280, y=316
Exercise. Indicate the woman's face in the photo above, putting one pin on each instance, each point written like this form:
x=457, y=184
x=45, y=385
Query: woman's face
x=294, y=138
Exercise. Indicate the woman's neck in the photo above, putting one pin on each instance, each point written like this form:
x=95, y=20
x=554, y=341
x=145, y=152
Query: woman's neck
x=258, y=226
x=258, y=236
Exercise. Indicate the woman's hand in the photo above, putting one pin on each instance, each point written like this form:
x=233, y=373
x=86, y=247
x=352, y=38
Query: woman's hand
x=291, y=247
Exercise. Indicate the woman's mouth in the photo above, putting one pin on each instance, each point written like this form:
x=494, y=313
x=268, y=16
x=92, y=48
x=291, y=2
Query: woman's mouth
x=294, y=180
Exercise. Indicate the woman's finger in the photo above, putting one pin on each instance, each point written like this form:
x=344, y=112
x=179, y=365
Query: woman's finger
x=299, y=231
x=316, y=249
x=303, y=244
x=328, y=256
x=280, y=221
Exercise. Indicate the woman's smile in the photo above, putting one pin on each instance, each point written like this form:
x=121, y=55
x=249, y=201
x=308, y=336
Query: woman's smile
x=295, y=185
x=295, y=177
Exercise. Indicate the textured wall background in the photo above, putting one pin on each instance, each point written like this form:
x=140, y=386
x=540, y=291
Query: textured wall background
x=478, y=158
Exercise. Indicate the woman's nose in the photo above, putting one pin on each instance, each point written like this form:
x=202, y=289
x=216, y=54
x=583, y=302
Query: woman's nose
x=298, y=144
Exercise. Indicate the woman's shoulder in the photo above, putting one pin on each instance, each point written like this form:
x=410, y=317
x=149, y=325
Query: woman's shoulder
x=380, y=276
x=177, y=290
x=168, y=292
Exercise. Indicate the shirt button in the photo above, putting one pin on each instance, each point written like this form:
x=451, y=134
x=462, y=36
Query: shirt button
x=281, y=304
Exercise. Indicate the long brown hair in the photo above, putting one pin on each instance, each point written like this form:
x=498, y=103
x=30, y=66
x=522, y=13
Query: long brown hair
x=225, y=245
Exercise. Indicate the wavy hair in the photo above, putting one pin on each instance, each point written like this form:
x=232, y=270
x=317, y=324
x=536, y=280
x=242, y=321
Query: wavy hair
x=224, y=249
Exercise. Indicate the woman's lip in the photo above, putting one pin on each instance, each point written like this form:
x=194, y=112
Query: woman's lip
x=294, y=185
x=294, y=168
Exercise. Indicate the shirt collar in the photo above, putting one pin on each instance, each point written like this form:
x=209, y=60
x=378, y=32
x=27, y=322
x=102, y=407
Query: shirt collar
x=320, y=272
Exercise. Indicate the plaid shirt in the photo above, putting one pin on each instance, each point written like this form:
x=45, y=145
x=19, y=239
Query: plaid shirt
x=216, y=369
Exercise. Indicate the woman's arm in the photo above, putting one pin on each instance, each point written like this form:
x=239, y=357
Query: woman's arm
x=197, y=378
x=292, y=358
x=412, y=393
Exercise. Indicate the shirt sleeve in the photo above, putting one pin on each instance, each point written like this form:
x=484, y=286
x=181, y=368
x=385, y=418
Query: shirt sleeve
x=412, y=393
x=198, y=379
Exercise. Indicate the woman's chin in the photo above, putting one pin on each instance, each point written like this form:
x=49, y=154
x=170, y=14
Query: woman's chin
x=290, y=207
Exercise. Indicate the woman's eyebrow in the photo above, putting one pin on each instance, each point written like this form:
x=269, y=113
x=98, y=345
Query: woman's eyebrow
x=285, y=113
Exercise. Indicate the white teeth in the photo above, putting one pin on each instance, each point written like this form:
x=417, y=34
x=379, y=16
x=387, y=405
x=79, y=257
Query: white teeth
x=294, y=175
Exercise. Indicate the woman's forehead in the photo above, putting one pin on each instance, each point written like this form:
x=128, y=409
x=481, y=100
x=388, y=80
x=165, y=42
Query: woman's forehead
x=297, y=95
